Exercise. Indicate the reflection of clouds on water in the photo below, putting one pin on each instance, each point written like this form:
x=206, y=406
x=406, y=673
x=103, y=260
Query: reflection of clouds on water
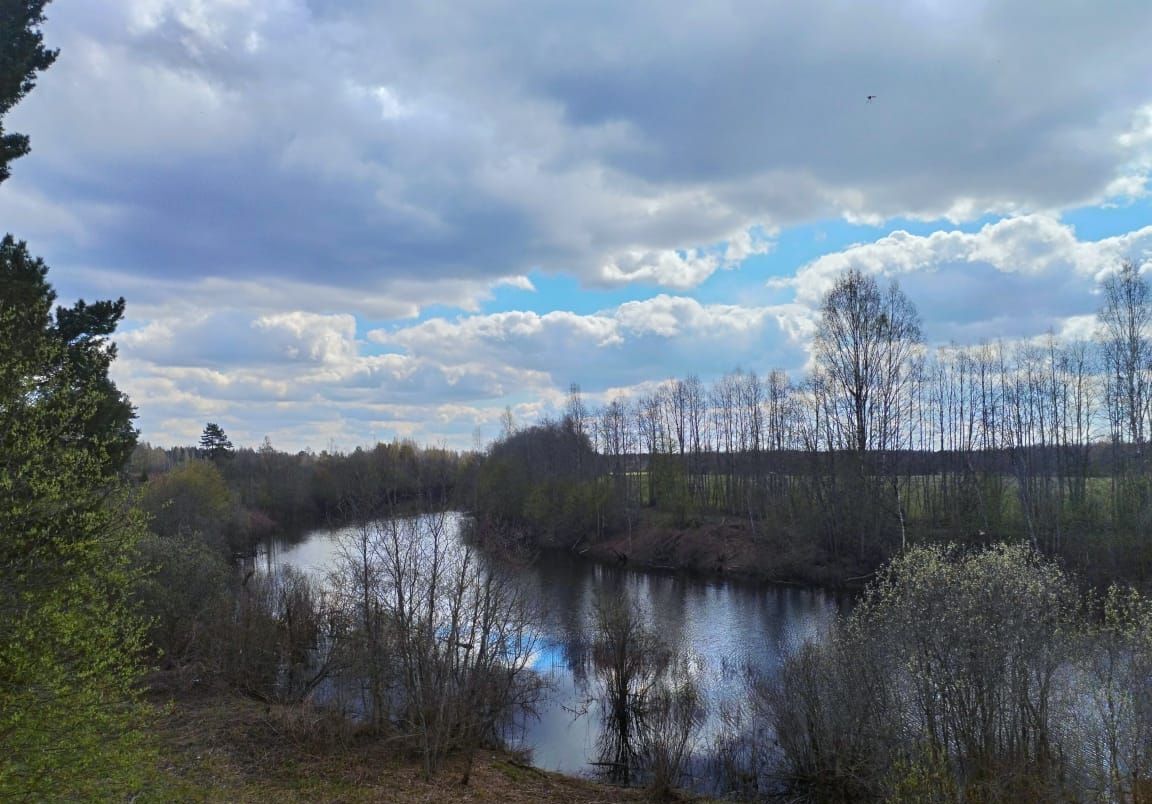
x=315, y=554
x=548, y=657
x=723, y=626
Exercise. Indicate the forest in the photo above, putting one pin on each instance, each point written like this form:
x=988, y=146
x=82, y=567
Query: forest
x=888, y=442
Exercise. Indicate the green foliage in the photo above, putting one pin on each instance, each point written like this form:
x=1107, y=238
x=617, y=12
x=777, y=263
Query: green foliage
x=191, y=500
x=69, y=646
x=973, y=676
x=54, y=388
x=670, y=492
x=925, y=780
x=70, y=716
x=70, y=713
x=184, y=594
x=544, y=478
x=22, y=56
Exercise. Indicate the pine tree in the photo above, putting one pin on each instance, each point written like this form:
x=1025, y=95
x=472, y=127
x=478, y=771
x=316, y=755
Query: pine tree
x=215, y=442
x=22, y=56
x=69, y=644
x=70, y=713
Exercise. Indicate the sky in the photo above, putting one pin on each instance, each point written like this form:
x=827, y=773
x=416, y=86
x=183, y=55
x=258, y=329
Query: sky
x=343, y=221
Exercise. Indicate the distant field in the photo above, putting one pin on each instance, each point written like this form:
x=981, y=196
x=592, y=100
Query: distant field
x=999, y=496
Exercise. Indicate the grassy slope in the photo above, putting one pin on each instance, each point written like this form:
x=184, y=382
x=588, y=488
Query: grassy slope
x=223, y=748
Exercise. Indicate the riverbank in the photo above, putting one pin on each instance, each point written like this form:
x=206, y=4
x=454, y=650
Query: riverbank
x=220, y=747
x=728, y=547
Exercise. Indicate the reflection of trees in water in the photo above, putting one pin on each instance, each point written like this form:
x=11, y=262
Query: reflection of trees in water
x=627, y=658
x=671, y=723
x=727, y=624
x=740, y=753
x=650, y=704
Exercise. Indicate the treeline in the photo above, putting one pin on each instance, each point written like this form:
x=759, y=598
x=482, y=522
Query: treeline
x=886, y=442
x=239, y=495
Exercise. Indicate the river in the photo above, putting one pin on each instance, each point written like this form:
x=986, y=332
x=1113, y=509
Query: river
x=723, y=625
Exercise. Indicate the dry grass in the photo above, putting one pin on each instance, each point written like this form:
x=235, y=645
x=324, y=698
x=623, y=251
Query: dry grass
x=730, y=547
x=221, y=748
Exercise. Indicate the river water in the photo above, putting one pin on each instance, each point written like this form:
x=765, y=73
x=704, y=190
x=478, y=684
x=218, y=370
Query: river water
x=723, y=625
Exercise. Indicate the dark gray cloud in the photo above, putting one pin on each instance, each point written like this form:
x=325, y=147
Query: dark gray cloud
x=348, y=143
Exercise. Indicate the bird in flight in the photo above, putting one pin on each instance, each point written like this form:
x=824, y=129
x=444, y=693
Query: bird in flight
x=871, y=98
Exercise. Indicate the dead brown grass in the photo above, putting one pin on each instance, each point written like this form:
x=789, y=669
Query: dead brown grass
x=726, y=546
x=222, y=748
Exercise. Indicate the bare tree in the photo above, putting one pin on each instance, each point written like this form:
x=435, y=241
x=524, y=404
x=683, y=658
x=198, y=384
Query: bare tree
x=697, y=402
x=1126, y=335
x=864, y=345
x=284, y=639
x=357, y=582
x=865, y=339
x=448, y=634
x=1114, y=728
x=576, y=418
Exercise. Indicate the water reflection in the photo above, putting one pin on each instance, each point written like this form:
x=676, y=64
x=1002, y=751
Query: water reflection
x=724, y=626
x=727, y=626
